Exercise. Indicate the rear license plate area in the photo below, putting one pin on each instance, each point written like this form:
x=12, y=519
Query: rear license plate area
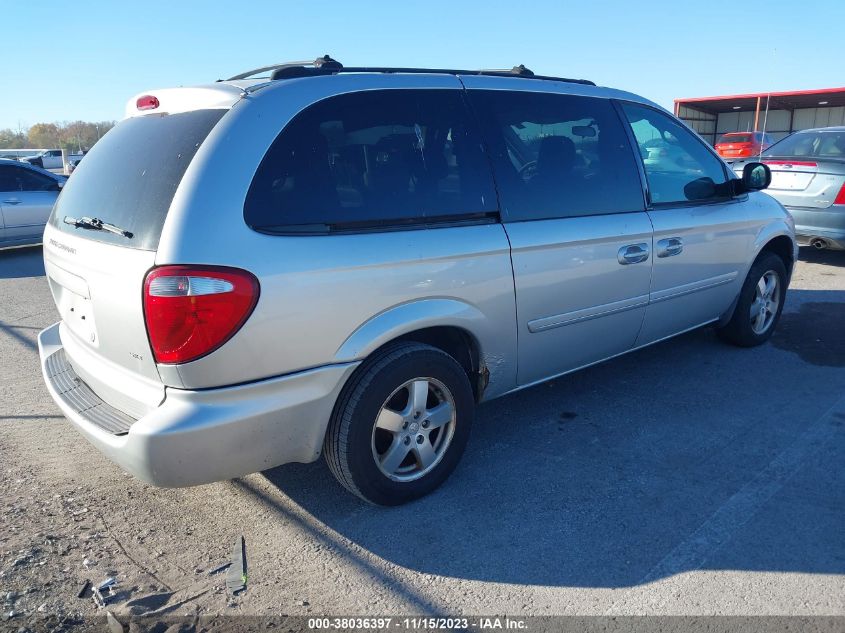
x=76, y=311
x=790, y=181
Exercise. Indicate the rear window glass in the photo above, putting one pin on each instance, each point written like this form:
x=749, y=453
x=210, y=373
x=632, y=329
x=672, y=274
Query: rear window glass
x=735, y=138
x=129, y=177
x=818, y=144
x=381, y=158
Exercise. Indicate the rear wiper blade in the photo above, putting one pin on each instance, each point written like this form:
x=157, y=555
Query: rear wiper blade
x=97, y=224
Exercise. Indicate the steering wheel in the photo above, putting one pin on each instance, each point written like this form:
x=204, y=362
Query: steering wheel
x=528, y=170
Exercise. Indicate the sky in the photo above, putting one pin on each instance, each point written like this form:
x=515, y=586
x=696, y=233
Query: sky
x=83, y=60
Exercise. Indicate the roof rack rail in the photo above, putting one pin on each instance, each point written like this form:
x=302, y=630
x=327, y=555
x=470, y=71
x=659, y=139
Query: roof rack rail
x=325, y=65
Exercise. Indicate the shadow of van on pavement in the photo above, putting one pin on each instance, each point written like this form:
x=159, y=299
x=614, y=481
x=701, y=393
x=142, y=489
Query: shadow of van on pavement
x=688, y=454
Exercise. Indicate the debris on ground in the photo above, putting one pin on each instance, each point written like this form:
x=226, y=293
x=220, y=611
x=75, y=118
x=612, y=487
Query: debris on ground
x=114, y=625
x=236, y=576
x=83, y=590
x=104, y=592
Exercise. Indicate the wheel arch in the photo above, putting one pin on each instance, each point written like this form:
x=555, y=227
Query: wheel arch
x=784, y=247
x=453, y=326
x=777, y=236
x=773, y=239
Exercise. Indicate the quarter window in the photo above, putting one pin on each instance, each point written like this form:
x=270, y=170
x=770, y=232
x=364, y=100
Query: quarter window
x=678, y=166
x=21, y=179
x=8, y=182
x=557, y=156
x=31, y=181
x=373, y=158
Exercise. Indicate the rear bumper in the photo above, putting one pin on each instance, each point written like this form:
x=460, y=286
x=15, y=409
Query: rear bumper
x=835, y=242
x=196, y=437
x=827, y=224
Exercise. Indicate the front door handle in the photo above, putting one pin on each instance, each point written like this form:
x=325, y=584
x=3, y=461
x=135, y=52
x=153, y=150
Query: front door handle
x=633, y=254
x=12, y=201
x=670, y=246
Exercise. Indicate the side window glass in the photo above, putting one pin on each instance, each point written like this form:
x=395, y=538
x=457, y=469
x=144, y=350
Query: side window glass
x=557, y=156
x=28, y=180
x=832, y=145
x=8, y=182
x=678, y=166
x=386, y=157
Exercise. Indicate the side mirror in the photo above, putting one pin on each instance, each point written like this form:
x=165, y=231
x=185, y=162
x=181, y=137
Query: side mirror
x=700, y=189
x=56, y=186
x=756, y=176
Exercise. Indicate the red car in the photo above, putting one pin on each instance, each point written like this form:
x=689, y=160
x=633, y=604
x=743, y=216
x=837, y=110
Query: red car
x=741, y=144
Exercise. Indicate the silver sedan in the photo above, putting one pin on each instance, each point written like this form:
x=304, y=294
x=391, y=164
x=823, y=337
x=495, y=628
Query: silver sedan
x=808, y=178
x=27, y=195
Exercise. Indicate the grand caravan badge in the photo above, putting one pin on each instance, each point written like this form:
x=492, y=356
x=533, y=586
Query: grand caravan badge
x=63, y=247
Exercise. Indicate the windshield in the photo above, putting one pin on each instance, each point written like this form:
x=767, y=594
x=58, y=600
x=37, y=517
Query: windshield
x=820, y=144
x=735, y=138
x=129, y=177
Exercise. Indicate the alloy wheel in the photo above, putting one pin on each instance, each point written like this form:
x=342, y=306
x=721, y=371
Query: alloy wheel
x=413, y=429
x=764, y=308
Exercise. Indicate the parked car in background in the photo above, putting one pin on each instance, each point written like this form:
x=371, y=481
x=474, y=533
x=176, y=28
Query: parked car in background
x=48, y=159
x=664, y=153
x=808, y=178
x=27, y=195
x=347, y=260
x=742, y=144
x=73, y=163
x=15, y=154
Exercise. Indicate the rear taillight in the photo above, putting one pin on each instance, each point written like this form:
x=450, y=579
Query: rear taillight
x=840, y=197
x=190, y=311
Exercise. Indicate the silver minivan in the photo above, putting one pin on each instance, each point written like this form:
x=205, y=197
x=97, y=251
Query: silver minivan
x=344, y=261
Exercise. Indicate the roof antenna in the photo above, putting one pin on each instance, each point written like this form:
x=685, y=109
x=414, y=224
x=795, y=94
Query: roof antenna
x=766, y=115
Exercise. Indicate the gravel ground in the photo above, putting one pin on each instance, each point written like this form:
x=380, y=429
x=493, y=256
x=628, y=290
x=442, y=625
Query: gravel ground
x=686, y=478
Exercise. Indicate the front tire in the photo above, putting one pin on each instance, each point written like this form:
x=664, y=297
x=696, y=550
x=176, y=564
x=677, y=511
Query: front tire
x=760, y=303
x=400, y=425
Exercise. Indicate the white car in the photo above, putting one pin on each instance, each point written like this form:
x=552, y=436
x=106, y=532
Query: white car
x=48, y=159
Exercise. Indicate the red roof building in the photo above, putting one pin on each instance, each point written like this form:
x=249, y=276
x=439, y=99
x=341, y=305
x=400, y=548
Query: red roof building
x=776, y=113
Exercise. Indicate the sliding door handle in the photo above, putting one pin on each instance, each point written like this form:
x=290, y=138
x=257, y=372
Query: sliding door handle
x=670, y=246
x=633, y=254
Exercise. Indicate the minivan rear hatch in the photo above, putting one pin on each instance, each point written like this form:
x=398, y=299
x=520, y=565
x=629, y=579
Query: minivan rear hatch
x=101, y=241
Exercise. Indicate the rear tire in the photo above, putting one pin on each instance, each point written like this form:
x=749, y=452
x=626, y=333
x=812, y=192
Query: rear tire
x=760, y=303
x=400, y=425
